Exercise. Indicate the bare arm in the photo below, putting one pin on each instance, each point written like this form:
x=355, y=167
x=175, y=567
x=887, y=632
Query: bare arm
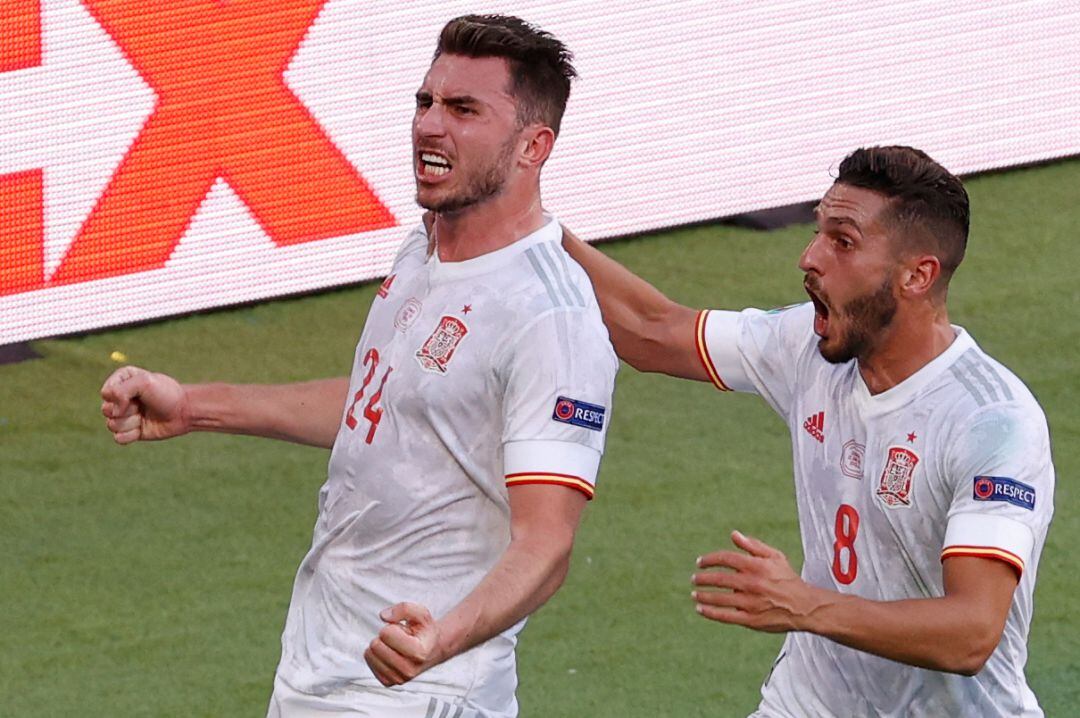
x=145, y=406
x=956, y=633
x=543, y=520
x=649, y=331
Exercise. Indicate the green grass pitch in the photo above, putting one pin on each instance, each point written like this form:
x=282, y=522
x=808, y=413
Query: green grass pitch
x=153, y=580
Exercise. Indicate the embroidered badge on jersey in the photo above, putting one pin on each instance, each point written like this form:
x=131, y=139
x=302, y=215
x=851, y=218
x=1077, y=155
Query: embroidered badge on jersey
x=1000, y=488
x=895, y=486
x=579, y=413
x=439, y=348
x=851, y=460
x=407, y=314
x=384, y=288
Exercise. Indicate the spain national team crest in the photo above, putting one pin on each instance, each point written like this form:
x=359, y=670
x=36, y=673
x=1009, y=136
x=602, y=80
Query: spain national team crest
x=895, y=487
x=439, y=348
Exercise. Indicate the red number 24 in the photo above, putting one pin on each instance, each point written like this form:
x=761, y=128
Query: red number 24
x=371, y=412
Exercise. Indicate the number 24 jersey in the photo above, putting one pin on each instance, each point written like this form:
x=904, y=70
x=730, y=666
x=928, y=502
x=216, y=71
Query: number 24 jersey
x=470, y=377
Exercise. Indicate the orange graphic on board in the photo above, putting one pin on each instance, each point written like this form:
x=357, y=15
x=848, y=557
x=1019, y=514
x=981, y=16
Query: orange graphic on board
x=20, y=34
x=222, y=110
x=22, y=251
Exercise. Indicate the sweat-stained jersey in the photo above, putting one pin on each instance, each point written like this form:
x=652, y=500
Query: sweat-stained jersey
x=953, y=461
x=469, y=377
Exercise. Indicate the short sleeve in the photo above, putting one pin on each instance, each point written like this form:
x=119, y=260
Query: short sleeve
x=1004, y=486
x=559, y=376
x=756, y=351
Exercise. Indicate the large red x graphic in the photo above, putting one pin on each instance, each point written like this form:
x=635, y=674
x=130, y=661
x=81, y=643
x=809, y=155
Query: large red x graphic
x=223, y=110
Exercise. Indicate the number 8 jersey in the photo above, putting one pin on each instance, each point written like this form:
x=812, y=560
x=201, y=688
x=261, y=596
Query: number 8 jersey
x=469, y=377
x=953, y=461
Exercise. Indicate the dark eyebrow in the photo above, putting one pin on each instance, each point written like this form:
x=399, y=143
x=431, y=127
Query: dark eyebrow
x=468, y=101
x=461, y=101
x=845, y=221
x=841, y=220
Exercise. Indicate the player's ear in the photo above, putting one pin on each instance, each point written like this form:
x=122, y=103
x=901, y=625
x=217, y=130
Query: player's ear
x=538, y=140
x=920, y=275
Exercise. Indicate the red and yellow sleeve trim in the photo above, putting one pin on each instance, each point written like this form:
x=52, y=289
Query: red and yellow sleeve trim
x=985, y=552
x=572, y=482
x=703, y=352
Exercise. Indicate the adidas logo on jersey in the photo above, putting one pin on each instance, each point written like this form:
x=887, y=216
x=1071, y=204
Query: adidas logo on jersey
x=815, y=426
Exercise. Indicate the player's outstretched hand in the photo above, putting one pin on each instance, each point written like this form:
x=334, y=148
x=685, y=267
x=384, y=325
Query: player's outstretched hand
x=139, y=405
x=406, y=647
x=755, y=587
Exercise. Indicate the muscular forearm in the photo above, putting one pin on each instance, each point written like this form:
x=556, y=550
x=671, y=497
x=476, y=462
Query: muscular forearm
x=942, y=634
x=533, y=566
x=956, y=632
x=527, y=575
x=649, y=331
x=304, y=413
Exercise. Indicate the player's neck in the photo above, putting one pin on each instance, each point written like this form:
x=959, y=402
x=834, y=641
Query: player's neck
x=916, y=337
x=488, y=226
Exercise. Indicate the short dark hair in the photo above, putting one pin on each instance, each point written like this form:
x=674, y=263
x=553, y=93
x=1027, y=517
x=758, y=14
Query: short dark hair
x=929, y=203
x=540, y=65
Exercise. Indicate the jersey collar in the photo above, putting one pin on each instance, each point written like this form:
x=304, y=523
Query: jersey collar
x=446, y=271
x=899, y=395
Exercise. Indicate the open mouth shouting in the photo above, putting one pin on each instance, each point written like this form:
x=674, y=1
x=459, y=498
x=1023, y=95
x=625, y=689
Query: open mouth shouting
x=821, y=309
x=432, y=165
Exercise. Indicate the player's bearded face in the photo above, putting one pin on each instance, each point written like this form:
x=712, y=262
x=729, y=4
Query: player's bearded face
x=852, y=329
x=480, y=176
x=465, y=133
x=850, y=271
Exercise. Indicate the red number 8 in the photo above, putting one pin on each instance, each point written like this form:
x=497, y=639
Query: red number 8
x=847, y=528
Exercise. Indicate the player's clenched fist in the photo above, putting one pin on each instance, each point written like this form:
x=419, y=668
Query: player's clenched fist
x=406, y=647
x=141, y=405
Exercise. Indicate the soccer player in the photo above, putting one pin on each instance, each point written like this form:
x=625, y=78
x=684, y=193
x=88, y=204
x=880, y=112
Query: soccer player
x=467, y=441
x=923, y=475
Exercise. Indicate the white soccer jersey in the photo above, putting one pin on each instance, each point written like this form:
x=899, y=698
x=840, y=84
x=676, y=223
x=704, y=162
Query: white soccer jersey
x=469, y=377
x=953, y=461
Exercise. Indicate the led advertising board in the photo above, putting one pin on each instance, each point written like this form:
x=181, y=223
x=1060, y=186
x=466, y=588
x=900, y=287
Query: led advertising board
x=158, y=158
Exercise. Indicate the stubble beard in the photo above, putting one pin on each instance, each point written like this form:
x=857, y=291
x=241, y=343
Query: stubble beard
x=867, y=317
x=485, y=183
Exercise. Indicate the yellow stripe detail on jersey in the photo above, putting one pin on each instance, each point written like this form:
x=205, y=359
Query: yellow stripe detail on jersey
x=984, y=552
x=572, y=482
x=703, y=352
